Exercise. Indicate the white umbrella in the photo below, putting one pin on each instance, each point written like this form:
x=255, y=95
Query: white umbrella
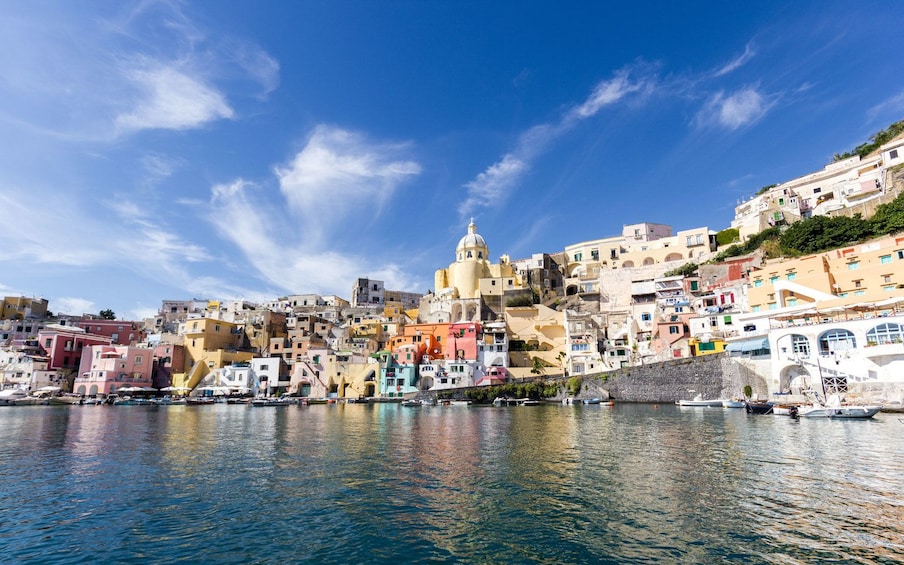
x=50, y=389
x=130, y=389
x=148, y=389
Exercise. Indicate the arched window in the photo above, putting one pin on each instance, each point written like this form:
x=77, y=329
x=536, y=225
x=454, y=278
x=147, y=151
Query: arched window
x=836, y=340
x=884, y=334
x=628, y=264
x=469, y=255
x=648, y=261
x=480, y=254
x=800, y=345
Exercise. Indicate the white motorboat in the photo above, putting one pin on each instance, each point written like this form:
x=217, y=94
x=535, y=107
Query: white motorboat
x=698, y=401
x=732, y=403
x=835, y=408
x=9, y=396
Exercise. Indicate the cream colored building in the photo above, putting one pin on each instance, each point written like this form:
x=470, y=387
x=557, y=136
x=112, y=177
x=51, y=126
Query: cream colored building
x=838, y=185
x=461, y=288
x=866, y=272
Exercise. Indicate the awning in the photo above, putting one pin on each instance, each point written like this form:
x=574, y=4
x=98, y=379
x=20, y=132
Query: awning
x=748, y=345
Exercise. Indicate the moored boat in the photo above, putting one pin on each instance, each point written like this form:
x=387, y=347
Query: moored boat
x=835, y=408
x=65, y=400
x=732, y=403
x=700, y=402
x=9, y=396
x=758, y=407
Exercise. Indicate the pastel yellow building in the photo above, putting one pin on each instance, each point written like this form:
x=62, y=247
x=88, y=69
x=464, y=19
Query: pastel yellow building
x=867, y=272
x=210, y=345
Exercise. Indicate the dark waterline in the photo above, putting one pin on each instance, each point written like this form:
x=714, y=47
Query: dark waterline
x=386, y=483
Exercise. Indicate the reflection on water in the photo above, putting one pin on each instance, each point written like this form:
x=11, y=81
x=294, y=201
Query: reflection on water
x=385, y=483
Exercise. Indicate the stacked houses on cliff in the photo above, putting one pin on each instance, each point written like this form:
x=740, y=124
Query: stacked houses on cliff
x=833, y=319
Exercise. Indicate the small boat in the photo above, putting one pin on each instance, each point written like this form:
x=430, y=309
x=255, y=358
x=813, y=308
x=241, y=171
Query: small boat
x=65, y=400
x=412, y=402
x=698, y=401
x=835, y=408
x=258, y=402
x=758, y=407
x=732, y=403
x=785, y=409
x=9, y=396
x=592, y=401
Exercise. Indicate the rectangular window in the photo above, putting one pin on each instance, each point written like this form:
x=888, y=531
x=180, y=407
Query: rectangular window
x=689, y=241
x=853, y=266
x=817, y=190
x=673, y=330
x=885, y=259
x=727, y=320
x=859, y=292
x=758, y=283
x=792, y=302
x=858, y=284
x=694, y=285
x=791, y=276
x=893, y=154
x=886, y=278
x=781, y=201
x=773, y=279
x=646, y=317
x=773, y=305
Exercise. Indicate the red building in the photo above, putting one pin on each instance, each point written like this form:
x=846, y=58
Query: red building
x=63, y=345
x=461, y=345
x=120, y=332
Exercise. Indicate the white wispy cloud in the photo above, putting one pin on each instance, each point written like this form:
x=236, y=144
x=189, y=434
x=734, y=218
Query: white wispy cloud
x=335, y=185
x=340, y=174
x=493, y=185
x=170, y=99
x=893, y=105
x=73, y=306
x=740, y=60
x=732, y=111
x=94, y=78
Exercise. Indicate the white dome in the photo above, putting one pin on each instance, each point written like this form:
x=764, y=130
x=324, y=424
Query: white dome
x=472, y=240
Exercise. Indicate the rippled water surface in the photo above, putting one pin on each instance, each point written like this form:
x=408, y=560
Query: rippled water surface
x=386, y=483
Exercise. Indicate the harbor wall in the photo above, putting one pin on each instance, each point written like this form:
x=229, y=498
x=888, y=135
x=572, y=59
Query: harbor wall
x=713, y=376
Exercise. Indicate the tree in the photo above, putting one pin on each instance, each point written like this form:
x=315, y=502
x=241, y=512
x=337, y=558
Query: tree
x=889, y=217
x=107, y=314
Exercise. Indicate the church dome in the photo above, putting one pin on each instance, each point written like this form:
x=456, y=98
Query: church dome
x=472, y=242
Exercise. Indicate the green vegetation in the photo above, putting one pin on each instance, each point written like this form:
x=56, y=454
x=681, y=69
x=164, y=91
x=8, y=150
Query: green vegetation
x=748, y=391
x=727, y=236
x=821, y=233
x=685, y=270
x=749, y=246
x=765, y=189
x=522, y=300
x=817, y=234
x=534, y=390
x=107, y=314
x=574, y=385
x=875, y=141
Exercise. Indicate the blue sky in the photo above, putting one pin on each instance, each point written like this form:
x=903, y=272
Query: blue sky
x=169, y=150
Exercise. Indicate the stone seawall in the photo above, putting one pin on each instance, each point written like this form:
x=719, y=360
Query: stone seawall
x=714, y=376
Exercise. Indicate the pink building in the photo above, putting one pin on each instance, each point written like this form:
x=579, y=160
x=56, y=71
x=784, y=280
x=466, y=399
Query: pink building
x=120, y=332
x=169, y=358
x=105, y=369
x=63, y=345
x=462, y=341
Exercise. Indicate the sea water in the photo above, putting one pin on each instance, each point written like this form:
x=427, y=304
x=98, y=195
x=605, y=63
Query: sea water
x=383, y=483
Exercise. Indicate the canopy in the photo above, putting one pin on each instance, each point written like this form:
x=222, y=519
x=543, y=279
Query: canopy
x=50, y=389
x=748, y=345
